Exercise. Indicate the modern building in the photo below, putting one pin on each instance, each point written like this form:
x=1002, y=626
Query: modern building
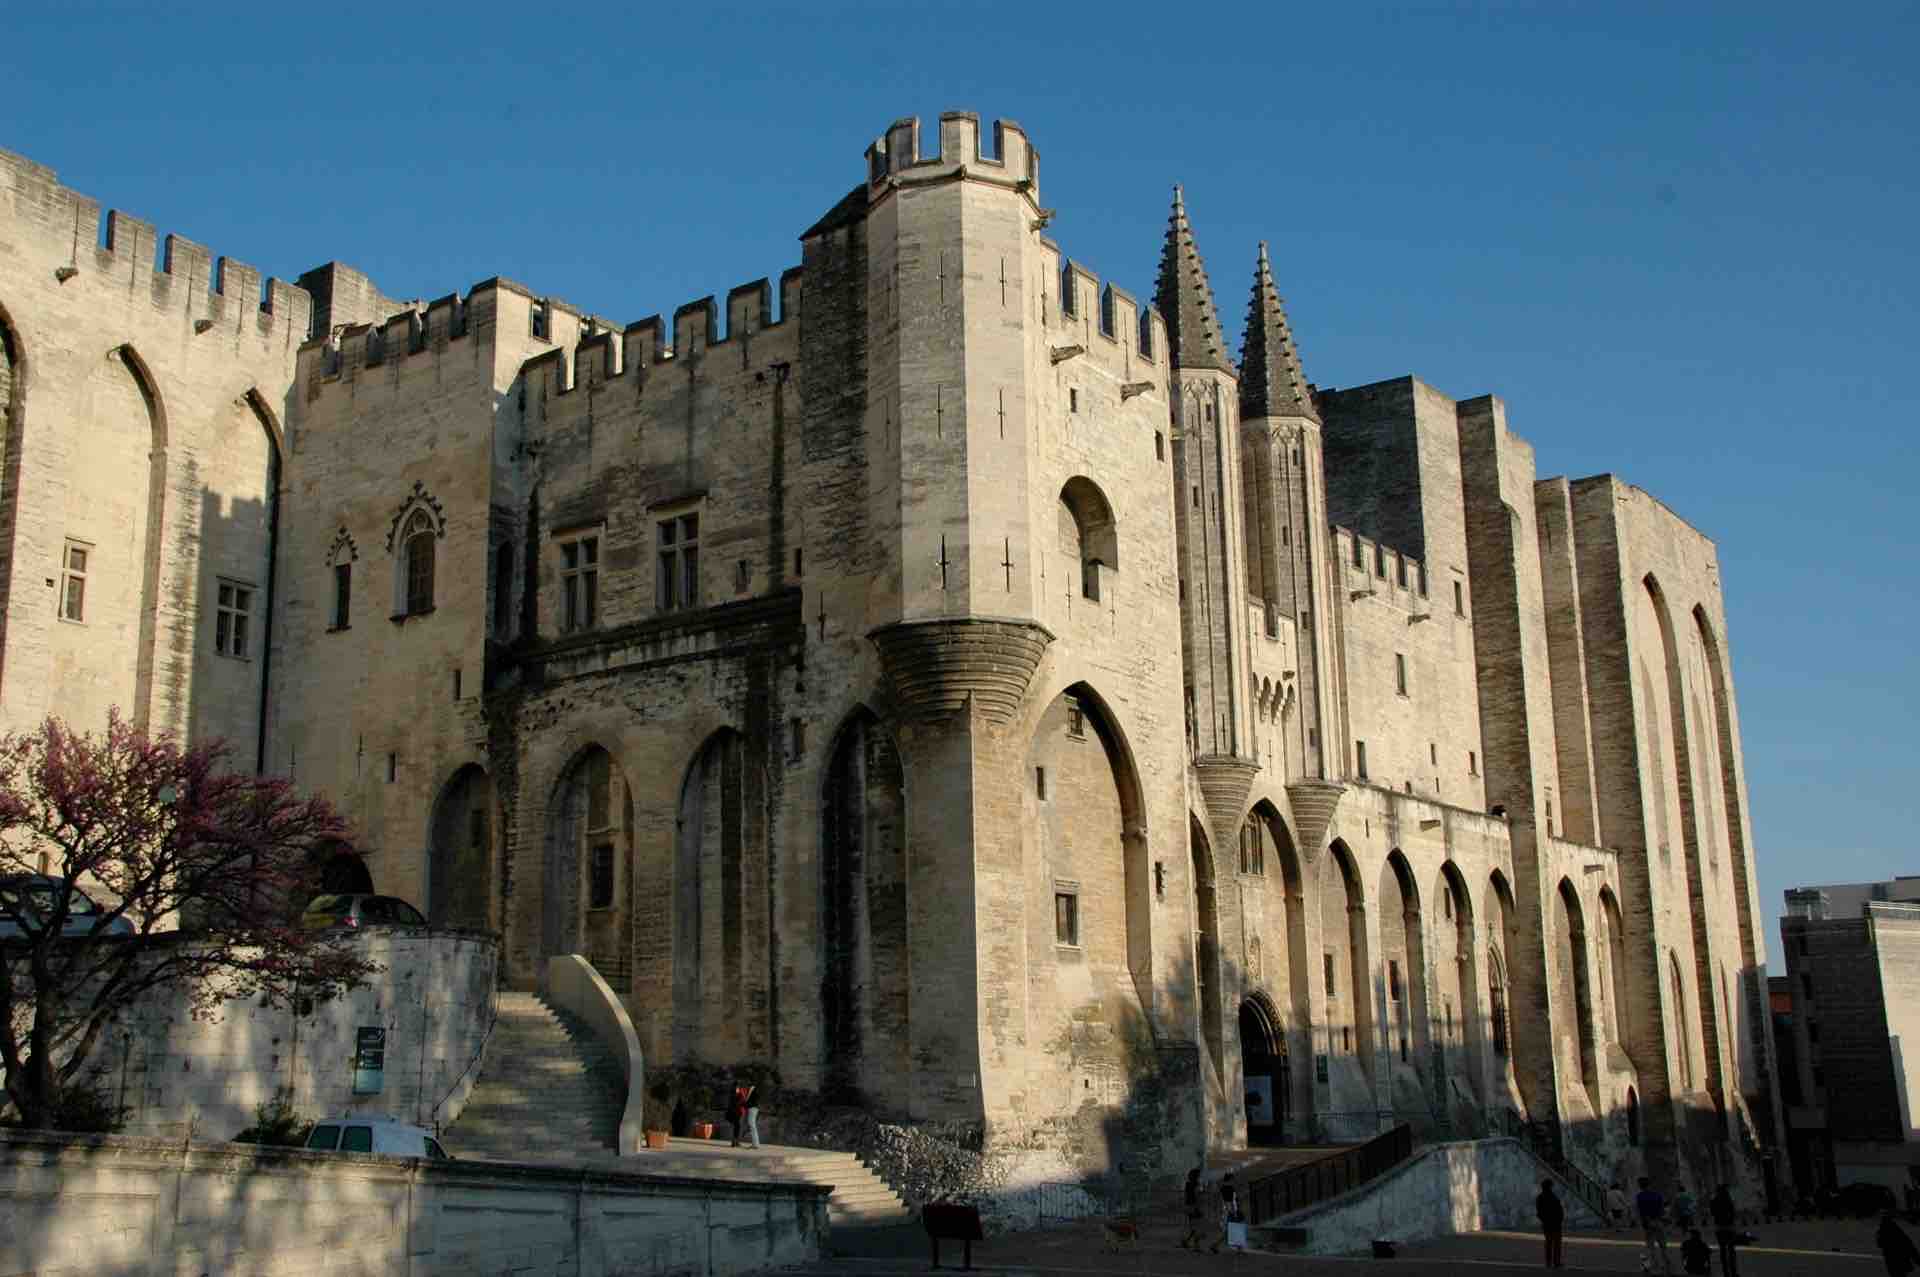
x=1853, y=977
x=936, y=674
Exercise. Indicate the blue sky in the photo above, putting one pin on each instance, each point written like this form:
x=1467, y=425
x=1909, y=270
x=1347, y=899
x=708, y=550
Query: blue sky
x=1680, y=241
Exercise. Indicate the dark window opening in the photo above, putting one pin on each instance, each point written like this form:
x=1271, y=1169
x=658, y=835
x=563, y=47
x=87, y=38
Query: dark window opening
x=677, y=583
x=579, y=583
x=600, y=886
x=342, y=595
x=419, y=552
x=1066, y=918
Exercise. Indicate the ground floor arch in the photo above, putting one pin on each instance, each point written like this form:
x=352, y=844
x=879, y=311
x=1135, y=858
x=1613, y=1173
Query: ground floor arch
x=864, y=892
x=460, y=851
x=587, y=867
x=1266, y=1071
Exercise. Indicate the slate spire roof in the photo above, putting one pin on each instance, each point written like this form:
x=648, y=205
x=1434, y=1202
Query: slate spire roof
x=1271, y=383
x=1185, y=299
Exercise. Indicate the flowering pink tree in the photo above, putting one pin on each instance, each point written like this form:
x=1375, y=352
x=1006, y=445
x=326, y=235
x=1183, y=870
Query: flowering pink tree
x=133, y=867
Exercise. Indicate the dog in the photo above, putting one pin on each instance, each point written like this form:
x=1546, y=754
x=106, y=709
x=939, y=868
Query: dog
x=1121, y=1234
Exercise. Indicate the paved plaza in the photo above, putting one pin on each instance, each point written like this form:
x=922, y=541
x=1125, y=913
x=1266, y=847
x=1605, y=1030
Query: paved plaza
x=1829, y=1248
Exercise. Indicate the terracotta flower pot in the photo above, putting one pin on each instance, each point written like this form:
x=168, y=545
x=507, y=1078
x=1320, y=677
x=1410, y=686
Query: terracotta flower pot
x=703, y=1130
x=656, y=1139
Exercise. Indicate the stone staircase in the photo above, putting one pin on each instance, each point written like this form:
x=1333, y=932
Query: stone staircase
x=860, y=1198
x=549, y=1091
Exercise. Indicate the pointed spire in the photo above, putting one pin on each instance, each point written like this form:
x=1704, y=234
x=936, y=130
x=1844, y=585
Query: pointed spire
x=1185, y=299
x=1271, y=382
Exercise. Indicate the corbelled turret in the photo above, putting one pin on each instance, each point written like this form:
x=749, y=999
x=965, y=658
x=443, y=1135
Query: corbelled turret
x=1271, y=383
x=1185, y=299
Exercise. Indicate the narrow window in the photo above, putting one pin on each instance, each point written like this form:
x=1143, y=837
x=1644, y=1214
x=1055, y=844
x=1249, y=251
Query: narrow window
x=1473, y=763
x=232, y=620
x=1400, y=671
x=677, y=584
x=393, y=768
x=73, y=584
x=798, y=569
x=1286, y=534
x=1360, y=758
x=1459, y=600
x=1073, y=400
x=1550, y=831
x=1433, y=754
x=1326, y=965
x=503, y=590
x=580, y=583
x=1498, y=1000
x=1346, y=1038
x=1040, y=783
x=456, y=682
x=1380, y=561
x=342, y=595
x=600, y=889
x=1393, y=980
x=742, y=576
x=1066, y=918
x=1159, y=446
x=1090, y=579
x=1196, y=496
x=1358, y=551
x=419, y=552
x=1076, y=720
x=797, y=734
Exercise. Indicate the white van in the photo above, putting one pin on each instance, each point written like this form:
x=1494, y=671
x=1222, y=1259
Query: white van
x=369, y=1133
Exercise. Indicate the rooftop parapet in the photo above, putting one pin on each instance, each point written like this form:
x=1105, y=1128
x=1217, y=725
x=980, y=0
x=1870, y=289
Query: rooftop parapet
x=218, y=292
x=896, y=154
x=1104, y=311
x=1372, y=570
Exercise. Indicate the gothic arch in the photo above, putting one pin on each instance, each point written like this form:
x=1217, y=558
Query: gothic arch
x=1266, y=1066
x=588, y=853
x=1613, y=957
x=13, y=396
x=1731, y=810
x=1343, y=931
x=864, y=899
x=1575, y=995
x=1699, y=887
x=1456, y=975
x=1403, y=959
x=710, y=897
x=1677, y=1017
x=460, y=851
x=1285, y=964
x=1206, y=949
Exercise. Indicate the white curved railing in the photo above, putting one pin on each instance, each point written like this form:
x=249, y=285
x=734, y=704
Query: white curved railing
x=574, y=986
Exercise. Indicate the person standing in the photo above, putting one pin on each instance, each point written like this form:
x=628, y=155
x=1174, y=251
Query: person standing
x=752, y=1102
x=1725, y=1229
x=1195, y=1215
x=1683, y=1209
x=737, y=1113
x=1651, y=1206
x=1553, y=1219
x=1895, y=1247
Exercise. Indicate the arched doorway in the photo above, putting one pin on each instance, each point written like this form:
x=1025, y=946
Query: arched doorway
x=1206, y=942
x=1403, y=952
x=1284, y=965
x=589, y=858
x=1265, y=1066
x=863, y=914
x=461, y=851
x=1456, y=1021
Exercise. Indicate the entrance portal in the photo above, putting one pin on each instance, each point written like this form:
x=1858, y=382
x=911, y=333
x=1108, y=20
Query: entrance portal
x=1269, y=1080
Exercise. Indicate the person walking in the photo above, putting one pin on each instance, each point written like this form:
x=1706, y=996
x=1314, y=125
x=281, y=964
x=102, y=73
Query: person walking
x=1683, y=1209
x=752, y=1102
x=1651, y=1206
x=1196, y=1217
x=1726, y=1229
x=1553, y=1219
x=1229, y=1209
x=1616, y=1206
x=1895, y=1247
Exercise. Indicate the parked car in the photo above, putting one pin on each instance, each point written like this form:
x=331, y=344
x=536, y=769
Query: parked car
x=357, y=911
x=367, y=1133
x=1864, y=1199
x=29, y=901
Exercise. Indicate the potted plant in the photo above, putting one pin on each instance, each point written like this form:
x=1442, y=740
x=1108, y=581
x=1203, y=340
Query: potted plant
x=703, y=1130
x=654, y=1118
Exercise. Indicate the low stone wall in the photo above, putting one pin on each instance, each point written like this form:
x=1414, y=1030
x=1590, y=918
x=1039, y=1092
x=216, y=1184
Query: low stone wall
x=433, y=998
x=1459, y=1187
x=119, y=1206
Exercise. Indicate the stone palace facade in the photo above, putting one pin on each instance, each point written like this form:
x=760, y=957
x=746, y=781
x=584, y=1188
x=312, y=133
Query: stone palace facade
x=937, y=674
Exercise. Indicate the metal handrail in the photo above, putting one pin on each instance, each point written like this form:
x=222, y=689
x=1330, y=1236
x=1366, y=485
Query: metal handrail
x=1542, y=1140
x=1298, y=1187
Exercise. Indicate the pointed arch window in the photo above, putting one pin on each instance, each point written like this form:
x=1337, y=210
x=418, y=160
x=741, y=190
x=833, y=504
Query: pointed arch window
x=418, y=551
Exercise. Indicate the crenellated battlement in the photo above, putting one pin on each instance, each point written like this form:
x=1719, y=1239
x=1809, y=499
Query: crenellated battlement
x=895, y=157
x=1372, y=571
x=123, y=252
x=1103, y=316
x=604, y=355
